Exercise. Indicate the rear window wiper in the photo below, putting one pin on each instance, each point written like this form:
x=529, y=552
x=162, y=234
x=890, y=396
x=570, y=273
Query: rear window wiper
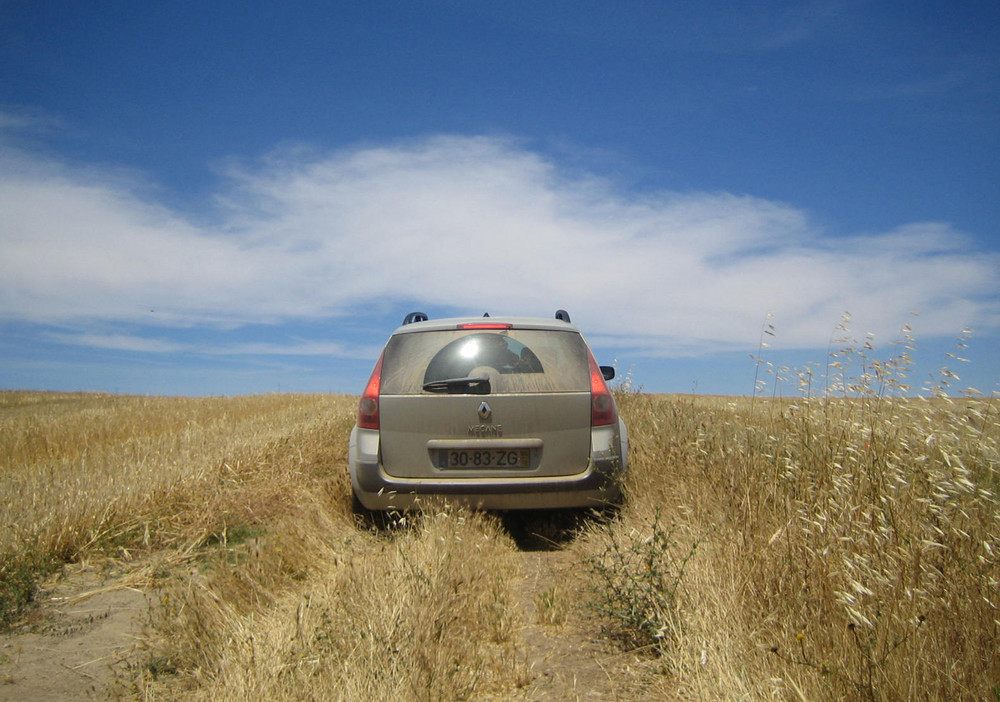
x=459, y=386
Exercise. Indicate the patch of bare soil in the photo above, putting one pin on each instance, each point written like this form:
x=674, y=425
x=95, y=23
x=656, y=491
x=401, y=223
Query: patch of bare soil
x=78, y=643
x=566, y=653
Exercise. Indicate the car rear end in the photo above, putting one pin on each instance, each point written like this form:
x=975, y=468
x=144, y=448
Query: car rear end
x=509, y=413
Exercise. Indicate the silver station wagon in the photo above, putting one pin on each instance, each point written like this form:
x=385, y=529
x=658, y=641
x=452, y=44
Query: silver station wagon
x=494, y=412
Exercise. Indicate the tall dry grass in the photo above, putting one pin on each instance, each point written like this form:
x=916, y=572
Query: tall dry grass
x=842, y=546
x=838, y=544
x=424, y=612
x=236, y=516
x=81, y=474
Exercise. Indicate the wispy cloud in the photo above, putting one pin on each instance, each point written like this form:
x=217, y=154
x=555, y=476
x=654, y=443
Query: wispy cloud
x=467, y=224
x=116, y=342
x=145, y=344
x=28, y=120
x=739, y=28
x=803, y=22
x=968, y=76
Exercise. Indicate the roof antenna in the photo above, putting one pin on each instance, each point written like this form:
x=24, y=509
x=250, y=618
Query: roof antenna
x=486, y=314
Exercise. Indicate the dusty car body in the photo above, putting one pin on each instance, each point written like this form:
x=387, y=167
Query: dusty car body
x=493, y=412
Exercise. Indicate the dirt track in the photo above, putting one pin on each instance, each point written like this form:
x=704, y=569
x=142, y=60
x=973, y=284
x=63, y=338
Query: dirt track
x=567, y=661
x=79, y=642
x=82, y=642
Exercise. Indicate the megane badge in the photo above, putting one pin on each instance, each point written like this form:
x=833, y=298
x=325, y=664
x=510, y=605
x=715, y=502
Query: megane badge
x=485, y=412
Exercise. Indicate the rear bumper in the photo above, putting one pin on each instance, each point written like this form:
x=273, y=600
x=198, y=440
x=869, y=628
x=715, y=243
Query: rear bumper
x=597, y=486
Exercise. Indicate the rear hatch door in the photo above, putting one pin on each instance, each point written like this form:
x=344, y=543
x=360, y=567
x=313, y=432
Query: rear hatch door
x=456, y=436
x=523, y=409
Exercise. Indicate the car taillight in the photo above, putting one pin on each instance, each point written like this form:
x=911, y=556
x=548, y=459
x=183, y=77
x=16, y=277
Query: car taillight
x=602, y=405
x=368, y=407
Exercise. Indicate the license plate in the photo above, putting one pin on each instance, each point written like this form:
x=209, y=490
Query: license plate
x=472, y=459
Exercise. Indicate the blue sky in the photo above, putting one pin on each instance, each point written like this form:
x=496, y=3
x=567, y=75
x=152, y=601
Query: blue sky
x=226, y=198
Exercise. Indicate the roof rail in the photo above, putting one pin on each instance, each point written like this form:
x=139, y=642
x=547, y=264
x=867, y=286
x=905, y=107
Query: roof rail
x=415, y=317
x=562, y=315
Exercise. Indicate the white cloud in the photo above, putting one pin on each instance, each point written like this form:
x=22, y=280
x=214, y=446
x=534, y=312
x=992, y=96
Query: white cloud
x=473, y=223
x=30, y=120
x=131, y=342
x=117, y=342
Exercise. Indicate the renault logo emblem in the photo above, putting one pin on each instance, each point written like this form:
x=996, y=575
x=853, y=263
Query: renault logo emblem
x=485, y=412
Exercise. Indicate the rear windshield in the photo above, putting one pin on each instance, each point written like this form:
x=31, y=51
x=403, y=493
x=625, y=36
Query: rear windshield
x=515, y=360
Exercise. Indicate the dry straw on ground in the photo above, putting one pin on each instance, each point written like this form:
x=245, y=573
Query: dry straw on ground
x=848, y=544
x=838, y=545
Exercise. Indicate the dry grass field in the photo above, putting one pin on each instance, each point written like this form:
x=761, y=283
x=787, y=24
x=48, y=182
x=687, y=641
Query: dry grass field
x=808, y=549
